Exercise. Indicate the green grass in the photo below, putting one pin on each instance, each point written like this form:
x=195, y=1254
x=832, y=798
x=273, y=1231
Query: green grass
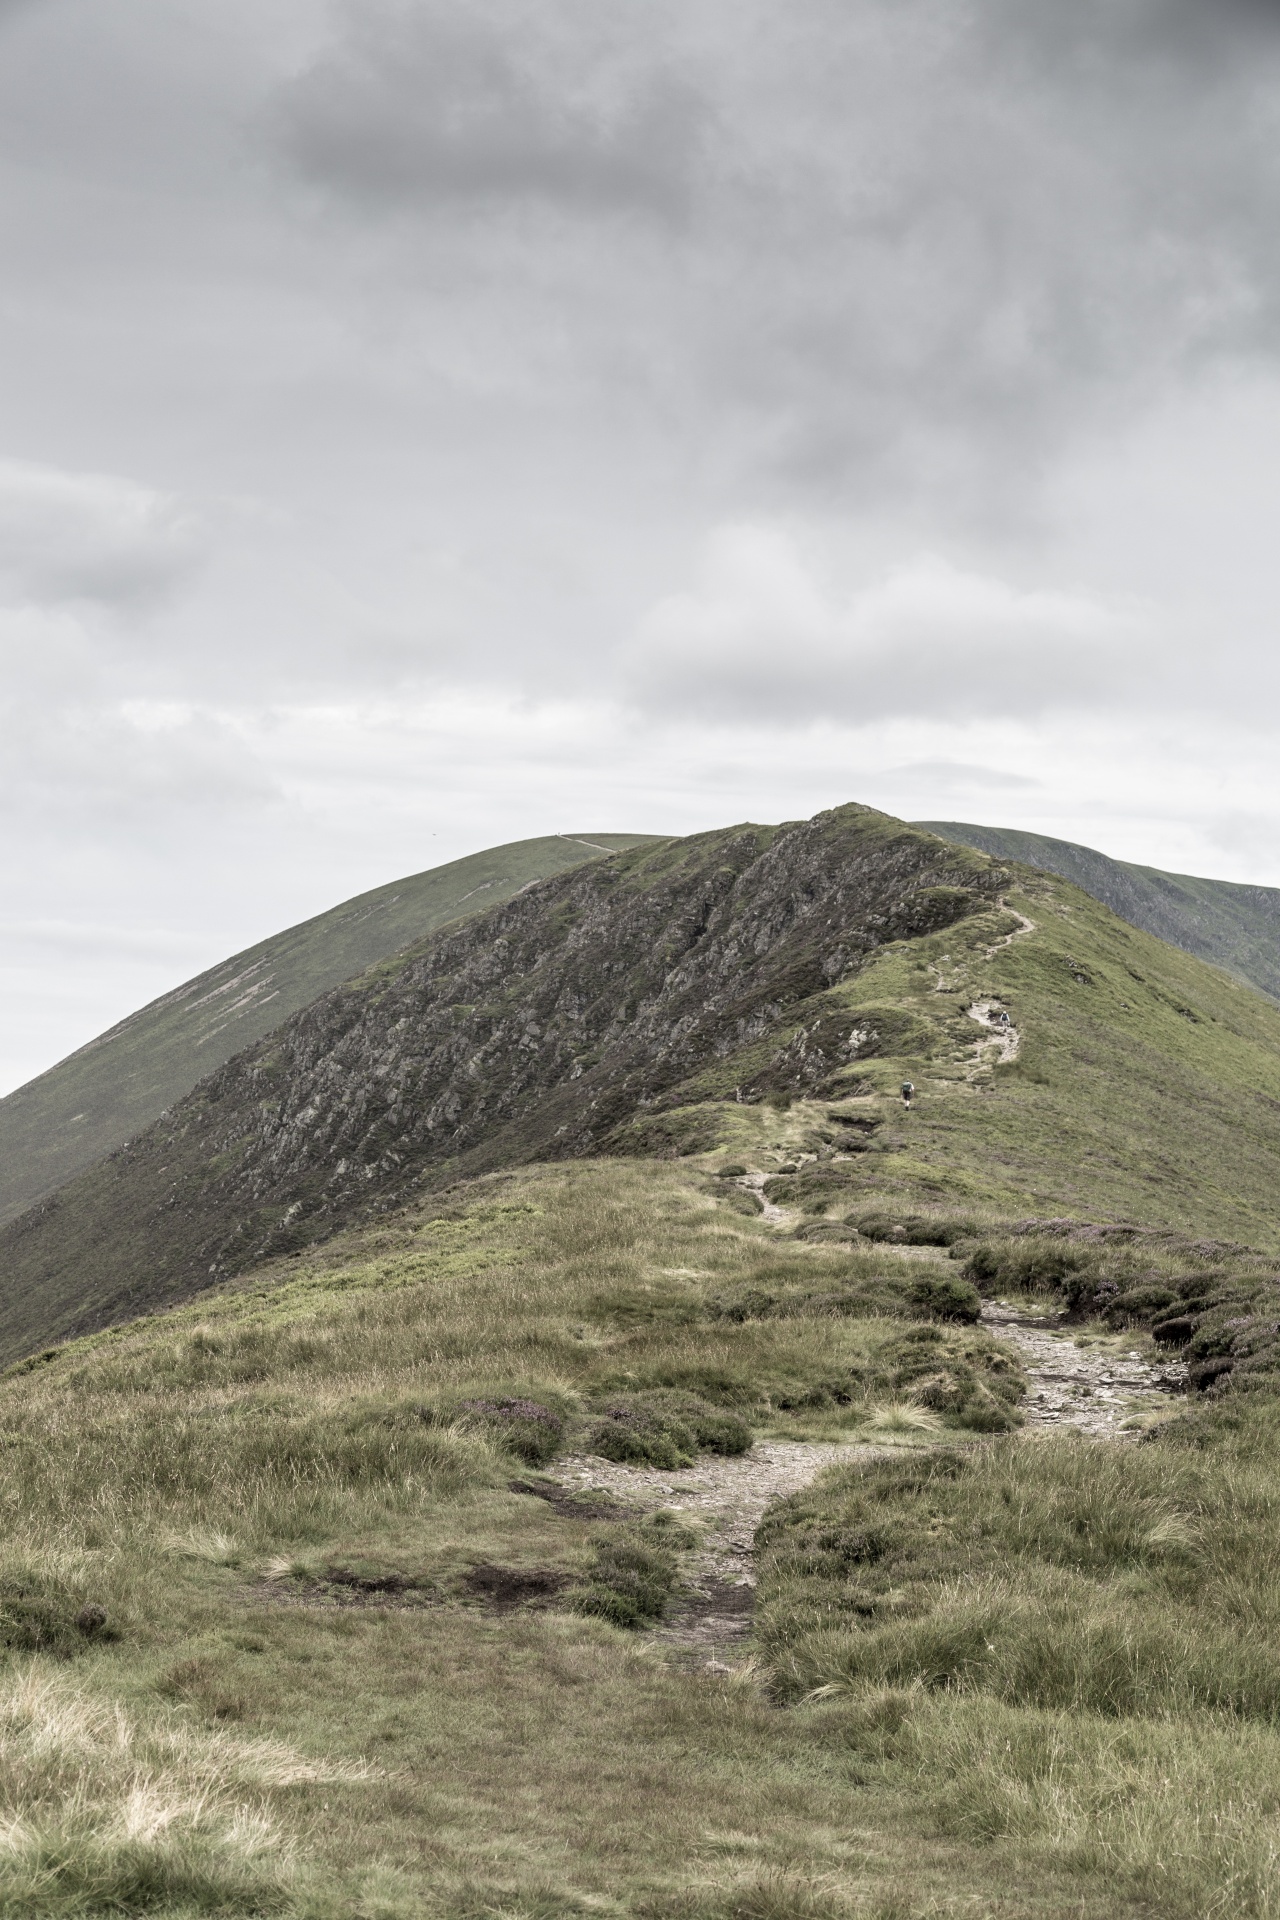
x=284, y=1630
x=1147, y=1085
x=1068, y=1650
x=219, y=1481
x=1232, y=926
x=1045, y=1687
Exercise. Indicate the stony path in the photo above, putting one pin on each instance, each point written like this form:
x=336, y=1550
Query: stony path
x=754, y=1183
x=729, y=1497
x=1097, y=1390
x=1094, y=1389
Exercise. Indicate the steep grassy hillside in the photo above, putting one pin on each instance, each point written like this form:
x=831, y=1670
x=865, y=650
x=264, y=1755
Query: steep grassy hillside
x=661, y=1000
x=307, y=1606
x=1236, y=927
x=536, y=1029
x=101, y=1095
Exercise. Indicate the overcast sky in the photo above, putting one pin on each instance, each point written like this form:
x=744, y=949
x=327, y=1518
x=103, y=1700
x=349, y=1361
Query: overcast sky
x=431, y=423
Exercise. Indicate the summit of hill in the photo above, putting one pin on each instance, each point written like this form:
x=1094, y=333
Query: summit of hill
x=653, y=1002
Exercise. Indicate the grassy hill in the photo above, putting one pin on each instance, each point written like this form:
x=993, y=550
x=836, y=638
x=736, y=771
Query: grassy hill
x=372, y=1580
x=304, y=1611
x=102, y=1094
x=662, y=1000
x=1236, y=927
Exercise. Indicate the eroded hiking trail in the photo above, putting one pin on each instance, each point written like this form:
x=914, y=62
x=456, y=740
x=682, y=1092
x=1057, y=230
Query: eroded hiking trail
x=1098, y=1389
x=1075, y=1379
x=728, y=1498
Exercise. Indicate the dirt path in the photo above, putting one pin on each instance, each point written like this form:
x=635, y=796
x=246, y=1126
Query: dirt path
x=754, y=1183
x=1003, y=1040
x=1007, y=939
x=728, y=1497
x=1097, y=1389
x=1100, y=1390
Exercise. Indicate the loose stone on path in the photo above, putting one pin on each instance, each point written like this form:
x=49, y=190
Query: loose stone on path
x=1095, y=1390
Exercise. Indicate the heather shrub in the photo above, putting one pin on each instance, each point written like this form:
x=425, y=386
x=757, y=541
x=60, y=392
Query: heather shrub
x=629, y=1582
x=665, y=1428
x=528, y=1428
x=945, y=1296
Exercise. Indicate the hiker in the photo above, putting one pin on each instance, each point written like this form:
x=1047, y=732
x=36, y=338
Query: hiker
x=907, y=1091
x=1002, y=1018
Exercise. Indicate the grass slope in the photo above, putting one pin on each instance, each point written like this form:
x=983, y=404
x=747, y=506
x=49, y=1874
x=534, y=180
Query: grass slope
x=297, y=1695
x=101, y=1095
x=1146, y=1084
x=1236, y=927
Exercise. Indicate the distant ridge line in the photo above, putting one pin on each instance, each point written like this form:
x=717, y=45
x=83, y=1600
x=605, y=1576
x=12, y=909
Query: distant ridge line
x=1235, y=926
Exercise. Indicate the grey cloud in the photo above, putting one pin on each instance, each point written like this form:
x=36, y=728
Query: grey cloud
x=433, y=105
x=90, y=537
x=953, y=776
x=919, y=242
x=762, y=635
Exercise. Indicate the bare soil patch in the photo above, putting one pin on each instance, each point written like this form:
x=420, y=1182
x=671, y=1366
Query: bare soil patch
x=507, y=1587
x=728, y=1496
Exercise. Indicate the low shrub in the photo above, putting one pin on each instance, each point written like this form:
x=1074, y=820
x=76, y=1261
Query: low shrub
x=974, y=1383
x=945, y=1296
x=915, y=1229
x=634, y=1432
x=40, y=1613
x=665, y=1429
x=1031, y=1268
x=629, y=1582
x=530, y=1429
x=752, y=1303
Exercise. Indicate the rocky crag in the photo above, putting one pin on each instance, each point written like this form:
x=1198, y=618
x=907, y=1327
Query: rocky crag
x=537, y=1030
x=94, y=1100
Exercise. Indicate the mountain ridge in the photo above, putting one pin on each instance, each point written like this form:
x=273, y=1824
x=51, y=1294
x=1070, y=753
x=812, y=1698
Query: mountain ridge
x=86, y=1105
x=1231, y=924
x=651, y=1001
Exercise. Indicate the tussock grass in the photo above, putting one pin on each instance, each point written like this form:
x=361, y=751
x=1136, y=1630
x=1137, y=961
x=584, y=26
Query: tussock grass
x=280, y=1500
x=101, y=1812
x=1052, y=1573
x=1182, y=1815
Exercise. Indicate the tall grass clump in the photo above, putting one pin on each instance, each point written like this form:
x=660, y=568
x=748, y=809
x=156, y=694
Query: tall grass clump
x=1180, y=1815
x=1057, y=1573
x=101, y=1812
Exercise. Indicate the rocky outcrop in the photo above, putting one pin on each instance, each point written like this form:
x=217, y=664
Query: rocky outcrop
x=699, y=968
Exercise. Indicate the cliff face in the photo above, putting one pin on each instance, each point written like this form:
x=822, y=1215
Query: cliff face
x=100, y=1096
x=537, y=1030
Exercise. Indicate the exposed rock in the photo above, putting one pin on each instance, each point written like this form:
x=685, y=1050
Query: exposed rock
x=568, y=1020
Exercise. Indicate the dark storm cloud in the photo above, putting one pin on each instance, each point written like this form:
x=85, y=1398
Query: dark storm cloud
x=435, y=104
x=917, y=240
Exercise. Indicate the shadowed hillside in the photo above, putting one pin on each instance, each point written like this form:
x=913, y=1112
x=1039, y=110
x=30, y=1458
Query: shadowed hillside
x=97, y=1097
x=1236, y=927
x=654, y=1001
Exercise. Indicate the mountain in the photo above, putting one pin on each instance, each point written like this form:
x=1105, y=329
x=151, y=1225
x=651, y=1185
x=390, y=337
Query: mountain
x=631, y=1451
x=1235, y=927
x=96, y=1098
x=665, y=1000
